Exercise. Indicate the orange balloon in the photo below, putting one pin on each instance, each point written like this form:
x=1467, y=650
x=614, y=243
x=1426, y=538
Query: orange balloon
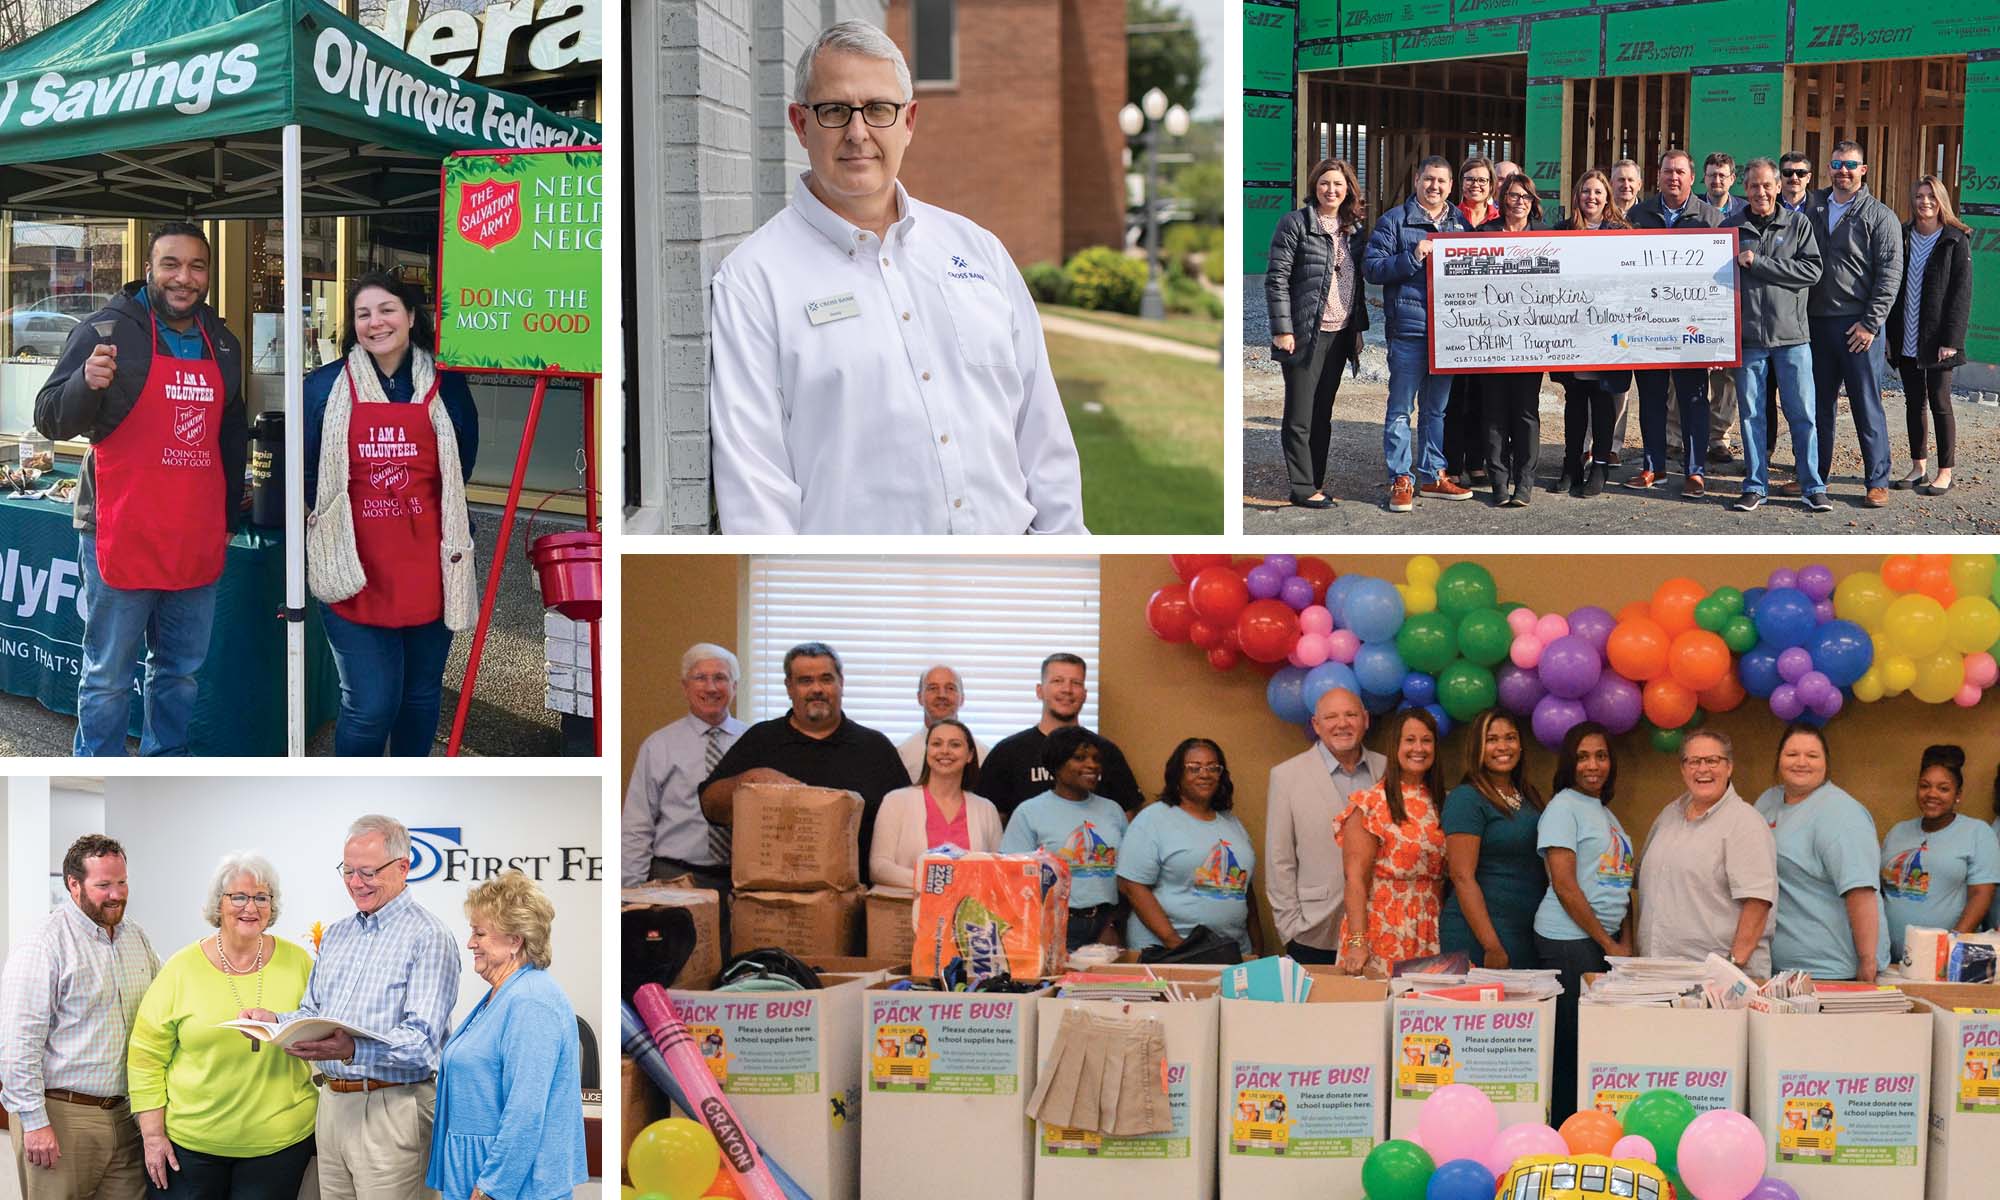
x=1698, y=659
x=1591, y=1132
x=1934, y=580
x=1899, y=572
x=1673, y=604
x=723, y=1187
x=1724, y=696
x=1638, y=610
x=1668, y=704
x=1637, y=649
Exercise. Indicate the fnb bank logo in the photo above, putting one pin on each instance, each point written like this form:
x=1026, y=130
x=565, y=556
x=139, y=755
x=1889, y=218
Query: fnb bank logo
x=1650, y=51
x=1264, y=112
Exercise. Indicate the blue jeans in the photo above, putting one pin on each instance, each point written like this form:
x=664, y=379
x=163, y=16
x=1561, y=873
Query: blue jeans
x=391, y=686
x=1834, y=364
x=1691, y=393
x=1412, y=384
x=173, y=626
x=1574, y=959
x=1793, y=367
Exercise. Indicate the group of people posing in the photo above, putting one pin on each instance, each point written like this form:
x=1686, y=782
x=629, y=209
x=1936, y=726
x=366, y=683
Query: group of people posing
x=1831, y=286
x=120, y=1080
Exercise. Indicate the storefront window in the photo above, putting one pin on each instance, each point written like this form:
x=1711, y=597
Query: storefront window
x=57, y=273
x=319, y=251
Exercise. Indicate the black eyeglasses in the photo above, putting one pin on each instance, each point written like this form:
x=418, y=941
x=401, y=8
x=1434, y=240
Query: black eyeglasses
x=1797, y=172
x=878, y=114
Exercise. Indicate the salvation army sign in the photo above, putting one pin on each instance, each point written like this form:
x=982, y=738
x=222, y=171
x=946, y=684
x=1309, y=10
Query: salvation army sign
x=520, y=255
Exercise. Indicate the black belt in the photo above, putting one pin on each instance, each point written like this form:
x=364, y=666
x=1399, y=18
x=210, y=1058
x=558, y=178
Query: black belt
x=69, y=1097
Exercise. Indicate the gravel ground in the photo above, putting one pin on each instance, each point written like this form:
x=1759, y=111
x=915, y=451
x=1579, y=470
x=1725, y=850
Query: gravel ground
x=1972, y=506
x=507, y=717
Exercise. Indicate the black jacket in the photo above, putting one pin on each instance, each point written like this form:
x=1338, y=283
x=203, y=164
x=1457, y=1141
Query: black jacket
x=66, y=408
x=1777, y=281
x=1947, y=303
x=1301, y=270
x=1862, y=257
x=1650, y=213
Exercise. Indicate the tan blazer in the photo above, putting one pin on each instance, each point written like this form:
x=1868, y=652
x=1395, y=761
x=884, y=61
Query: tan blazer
x=1303, y=878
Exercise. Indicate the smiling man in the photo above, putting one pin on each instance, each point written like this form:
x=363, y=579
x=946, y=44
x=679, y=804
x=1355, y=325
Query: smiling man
x=940, y=693
x=1710, y=874
x=878, y=364
x=664, y=834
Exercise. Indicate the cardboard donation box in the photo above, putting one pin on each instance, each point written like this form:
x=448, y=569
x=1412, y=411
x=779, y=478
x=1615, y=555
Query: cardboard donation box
x=790, y=1064
x=787, y=837
x=704, y=910
x=1503, y=1048
x=999, y=912
x=1843, y=1101
x=1303, y=1093
x=1965, y=1089
x=1176, y=1165
x=892, y=932
x=947, y=1077
x=809, y=924
x=1625, y=1049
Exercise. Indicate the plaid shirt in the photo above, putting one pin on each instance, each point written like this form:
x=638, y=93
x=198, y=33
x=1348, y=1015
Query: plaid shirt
x=67, y=998
x=394, y=971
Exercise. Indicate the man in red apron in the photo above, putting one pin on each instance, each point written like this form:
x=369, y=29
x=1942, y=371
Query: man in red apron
x=154, y=381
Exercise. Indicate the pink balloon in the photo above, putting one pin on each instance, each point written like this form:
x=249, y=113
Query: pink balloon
x=1314, y=618
x=1520, y=1141
x=1634, y=1146
x=1721, y=1156
x=1311, y=650
x=1521, y=620
x=1342, y=646
x=1457, y=1121
x=1968, y=696
x=1526, y=652
x=1551, y=627
x=1981, y=670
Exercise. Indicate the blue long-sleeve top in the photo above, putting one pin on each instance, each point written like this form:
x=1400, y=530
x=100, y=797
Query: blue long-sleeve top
x=510, y=1097
x=398, y=387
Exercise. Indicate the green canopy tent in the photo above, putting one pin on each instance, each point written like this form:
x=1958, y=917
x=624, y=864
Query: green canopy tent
x=211, y=109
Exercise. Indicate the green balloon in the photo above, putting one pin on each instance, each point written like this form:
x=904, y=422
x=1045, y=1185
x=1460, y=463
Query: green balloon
x=1660, y=1116
x=1428, y=642
x=1709, y=614
x=1397, y=1170
x=1739, y=633
x=1485, y=637
x=1466, y=689
x=1730, y=599
x=1465, y=587
x=1666, y=741
x=1507, y=606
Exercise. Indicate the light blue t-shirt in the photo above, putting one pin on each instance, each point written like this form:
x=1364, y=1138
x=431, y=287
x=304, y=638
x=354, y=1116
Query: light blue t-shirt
x=1925, y=875
x=1604, y=864
x=1084, y=833
x=1198, y=870
x=1826, y=848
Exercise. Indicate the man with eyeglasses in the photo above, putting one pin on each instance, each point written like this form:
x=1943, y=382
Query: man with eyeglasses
x=877, y=363
x=68, y=995
x=1710, y=871
x=940, y=693
x=664, y=835
x=1861, y=245
x=392, y=968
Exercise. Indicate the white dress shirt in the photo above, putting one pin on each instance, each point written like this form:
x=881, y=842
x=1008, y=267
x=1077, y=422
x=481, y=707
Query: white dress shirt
x=662, y=810
x=911, y=750
x=67, y=998
x=898, y=385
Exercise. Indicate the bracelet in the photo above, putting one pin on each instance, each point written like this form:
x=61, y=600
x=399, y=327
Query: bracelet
x=1356, y=941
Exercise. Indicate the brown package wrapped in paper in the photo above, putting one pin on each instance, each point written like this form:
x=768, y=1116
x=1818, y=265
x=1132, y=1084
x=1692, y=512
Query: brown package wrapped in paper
x=808, y=924
x=787, y=837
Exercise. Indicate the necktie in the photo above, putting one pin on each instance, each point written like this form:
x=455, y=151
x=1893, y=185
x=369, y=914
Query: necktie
x=718, y=835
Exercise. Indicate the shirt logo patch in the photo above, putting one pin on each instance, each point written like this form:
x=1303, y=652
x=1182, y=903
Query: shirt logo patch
x=964, y=269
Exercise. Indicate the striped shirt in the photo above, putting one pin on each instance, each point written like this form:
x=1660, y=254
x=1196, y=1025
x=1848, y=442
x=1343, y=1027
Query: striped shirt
x=662, y=817
x=1921, y=245
x=67, y=998
x=394, y=971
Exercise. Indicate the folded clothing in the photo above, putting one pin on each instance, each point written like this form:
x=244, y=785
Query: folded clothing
x=1106, y=1073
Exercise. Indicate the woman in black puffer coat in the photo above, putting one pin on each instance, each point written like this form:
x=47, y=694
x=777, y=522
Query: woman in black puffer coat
x=1318, y=312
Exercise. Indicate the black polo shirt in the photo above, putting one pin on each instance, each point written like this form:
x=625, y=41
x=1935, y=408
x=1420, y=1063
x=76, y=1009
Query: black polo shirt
x=853, y=757
x=1013, y=772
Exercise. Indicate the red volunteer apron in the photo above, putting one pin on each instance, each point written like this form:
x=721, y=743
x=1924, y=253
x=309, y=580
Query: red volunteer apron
x=396, y=492
x=159, y=484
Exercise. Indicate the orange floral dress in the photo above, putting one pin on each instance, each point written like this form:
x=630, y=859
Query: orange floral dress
x=1408, y=888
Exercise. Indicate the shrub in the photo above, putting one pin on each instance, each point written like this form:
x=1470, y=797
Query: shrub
x=1184, y=295
x=1183, y=241
x=1046, y=282
x=1104, y=279
x=1211, y=267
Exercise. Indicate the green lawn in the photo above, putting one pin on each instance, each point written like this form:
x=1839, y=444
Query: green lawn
x=1176, y=327
x=1149, y=430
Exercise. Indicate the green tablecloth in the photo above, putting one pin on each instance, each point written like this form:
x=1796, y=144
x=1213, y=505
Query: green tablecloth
x=240, y=708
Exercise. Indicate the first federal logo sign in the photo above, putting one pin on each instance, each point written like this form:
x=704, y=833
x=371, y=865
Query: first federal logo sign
x=520, y=262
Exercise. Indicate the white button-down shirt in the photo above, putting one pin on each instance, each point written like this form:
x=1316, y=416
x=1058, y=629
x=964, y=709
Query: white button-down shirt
x=662, y=817
x=67, y=999
x=894, y=385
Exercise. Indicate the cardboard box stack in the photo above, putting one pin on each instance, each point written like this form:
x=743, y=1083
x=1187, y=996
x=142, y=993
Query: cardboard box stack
x=891, y=922
x=795, y=860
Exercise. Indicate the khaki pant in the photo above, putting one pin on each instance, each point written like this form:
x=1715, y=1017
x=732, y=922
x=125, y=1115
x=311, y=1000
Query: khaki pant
x=99, y=1155
x=1721, y=411
x=375, y=1145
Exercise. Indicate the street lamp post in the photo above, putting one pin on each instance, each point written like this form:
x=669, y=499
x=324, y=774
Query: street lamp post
x=1146, y=118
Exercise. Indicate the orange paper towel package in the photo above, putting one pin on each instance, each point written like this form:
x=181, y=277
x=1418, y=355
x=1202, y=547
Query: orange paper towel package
x=999, y=912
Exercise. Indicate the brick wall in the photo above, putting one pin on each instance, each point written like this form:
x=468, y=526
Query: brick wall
x=1094, y=89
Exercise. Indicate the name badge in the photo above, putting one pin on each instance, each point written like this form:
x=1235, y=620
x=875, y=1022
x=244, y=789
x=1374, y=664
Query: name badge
x=833, y=308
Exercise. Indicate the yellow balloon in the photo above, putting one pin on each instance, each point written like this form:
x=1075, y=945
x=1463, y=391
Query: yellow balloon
x=1899, y=671
x=1939, y=676
x=1423, y=571
x=1420, y=598
x=1915, y=625
x=1972, y=575
x=1862, y=598
x=1868, y=689
x=1972, y=623
x=676, y=1157
x=627, y=1192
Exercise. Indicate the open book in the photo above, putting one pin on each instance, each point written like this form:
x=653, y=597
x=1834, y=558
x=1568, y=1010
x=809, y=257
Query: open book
x=305, y=1029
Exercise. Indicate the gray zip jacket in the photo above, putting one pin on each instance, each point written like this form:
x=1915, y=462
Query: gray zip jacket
x=1863, y=260
x=1773, y=287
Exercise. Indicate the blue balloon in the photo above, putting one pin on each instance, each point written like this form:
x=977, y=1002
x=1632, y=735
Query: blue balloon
x=1419, y=688
x=1460, y=1179
x=1757, y=670
x=1378, y=703
x=1750, y=598
x=1374, y=611
x=1841, y=650
x=1443, y=718
x=1285, y=695
x=1785, y=618
x=1323, y=679
x=1336, y=597
x=1380, y=669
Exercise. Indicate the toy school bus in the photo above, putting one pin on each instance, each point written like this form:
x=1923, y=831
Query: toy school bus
x=1425, y=1064
x=1260, y=1125
x=1809, y=1130
x=1554, y=1177
x=902, y=1057
x=714, y=1051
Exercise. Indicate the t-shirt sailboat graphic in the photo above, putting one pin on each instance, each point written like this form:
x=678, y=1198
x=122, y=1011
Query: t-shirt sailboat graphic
x=1616, y=866
x=1907, y=877
x=1220, y=874
x=1088, y=855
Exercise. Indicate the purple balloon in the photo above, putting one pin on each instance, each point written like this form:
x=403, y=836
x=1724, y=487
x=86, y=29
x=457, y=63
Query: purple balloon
x=1570, y=667
x=1785, y=702
x=1813, y=687
x=1593, y=624
x=1264, y=581
x=1783, y=577
x=1553, y=717
x=1823, y=609
x=1816, y=581
x=1284, y=564
x=1793, y=663
x=1519, y=690
x=1297, y=593
x=1772, y=1189
x=1615, y=703
x=1829, y=705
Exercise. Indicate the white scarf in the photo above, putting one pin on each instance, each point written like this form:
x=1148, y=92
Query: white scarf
x=333, y=564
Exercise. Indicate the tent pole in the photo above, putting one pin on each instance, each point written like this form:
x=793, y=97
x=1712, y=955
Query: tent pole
x=590, y=523
x=295, y=450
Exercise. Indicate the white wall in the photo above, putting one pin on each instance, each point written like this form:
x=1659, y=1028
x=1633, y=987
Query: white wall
x=27, y=875
x=73, y=811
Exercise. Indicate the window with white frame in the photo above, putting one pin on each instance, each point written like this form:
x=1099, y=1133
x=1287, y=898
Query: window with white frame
x=934, y=37
x=892, y=619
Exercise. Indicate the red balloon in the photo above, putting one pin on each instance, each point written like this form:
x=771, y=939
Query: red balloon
x=1668, y=704
x=1206, y=634
x=1218, y=593
x=1222, y=658
x=1243, y=562
x=1267, y=629
x=1698, y=660
x=1168, y=614
x=1638, y=610
x=1268, y=669
x=1187, y=566
x=1316, y=572
x=1637, y=649
x=1232, y=638
x=1673, y=604
x=1724, y=696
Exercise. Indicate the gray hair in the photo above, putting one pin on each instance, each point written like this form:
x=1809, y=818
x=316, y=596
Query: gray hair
x=926, y=676
x=1760, y=163
x=1715, y=735
x=395, y=837
x=851, y=37
x=240, y=862
x=701, y=652
x=813, y=650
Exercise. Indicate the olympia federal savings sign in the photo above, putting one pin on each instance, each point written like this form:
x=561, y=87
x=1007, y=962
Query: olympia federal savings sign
x=519, y=262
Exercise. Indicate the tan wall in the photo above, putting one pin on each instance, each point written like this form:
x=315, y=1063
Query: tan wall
x=671, y=602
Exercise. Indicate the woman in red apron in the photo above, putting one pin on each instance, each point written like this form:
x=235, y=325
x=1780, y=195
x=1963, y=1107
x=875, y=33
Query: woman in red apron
x=390, y=442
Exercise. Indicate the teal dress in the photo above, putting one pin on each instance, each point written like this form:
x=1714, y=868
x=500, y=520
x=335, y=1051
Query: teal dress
x=1510, y=874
